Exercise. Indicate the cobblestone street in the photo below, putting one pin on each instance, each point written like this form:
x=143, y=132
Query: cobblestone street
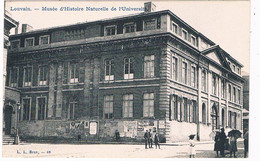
x=109, y=151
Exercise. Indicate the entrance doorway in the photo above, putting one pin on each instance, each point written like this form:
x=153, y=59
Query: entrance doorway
x=214, y=117
x=8, y=119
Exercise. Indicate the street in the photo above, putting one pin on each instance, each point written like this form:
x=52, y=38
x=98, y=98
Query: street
x=27, y=150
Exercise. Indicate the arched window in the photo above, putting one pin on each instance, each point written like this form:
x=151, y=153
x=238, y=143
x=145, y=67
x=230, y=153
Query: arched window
x=214, y=116
x=203, y=113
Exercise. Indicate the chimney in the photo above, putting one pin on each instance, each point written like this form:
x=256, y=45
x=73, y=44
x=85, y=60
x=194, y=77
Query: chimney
x=149, y=7
x=26, y=28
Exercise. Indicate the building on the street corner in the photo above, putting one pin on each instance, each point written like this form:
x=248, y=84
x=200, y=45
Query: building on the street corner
x=245, y=101
x=144, y=71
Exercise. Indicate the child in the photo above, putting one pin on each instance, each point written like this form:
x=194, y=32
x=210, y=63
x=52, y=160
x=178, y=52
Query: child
x=233, y=145
x=192, y=146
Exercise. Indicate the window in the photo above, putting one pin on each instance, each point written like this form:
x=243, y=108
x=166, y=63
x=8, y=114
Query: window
x=43, y=40
x=149, y=24
x=223, y=89
x=174, y=68
x=235, y=120
x=229, y=119
x=15, y=44
x=203, y=113
x=14, y=76
x=193, y=76
x=148, y=105
x=109, y=69
x=108, y=106
x=129, y=72
x=193, y=40
x=174, y=28
x=234, y=68
x=149, y=66
x=203, y=81
x=184, y=34
x=29, y=42
x=214, y=85
x=41, y=108
x=238, y=95
x=184, y=72
x=71, y=110
x=26, y=108
x=229, y=92
x=128, y=105
x=194, y=113
x=174, y=107
x=74, y=72
x=238, y=70
x=110, y=30
x=223, y=118
x=185, y=106
x=27, y=76
x=129, y=28
x=43, y=70
x=234, y=95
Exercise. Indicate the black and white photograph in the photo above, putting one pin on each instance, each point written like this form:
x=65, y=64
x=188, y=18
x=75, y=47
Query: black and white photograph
x=126, y=79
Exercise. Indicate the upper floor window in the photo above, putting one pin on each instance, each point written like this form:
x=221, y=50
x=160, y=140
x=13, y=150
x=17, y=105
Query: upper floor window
x=110, y=30
x=128, y=105
x=174, y=107
x=148, y=105
x=174, y=68
x=174, y=28
x=129, y=72
x=71, y=109
x=14, y=76
x=185, y=34
x=43, y=70
x=184, y=72
x=43, y=40
x=193, y=40
x=108, y=106
x=150, y=24
x=203, y=81
x=193, y=76
x=149, y=66
x=238, y=70
x=238, y=96
x=15, y=44
x=27, y=76
x=234, y=95
x=74, y=72
x=214, y=85
x=130, y=27
x=41, y=103
x=223, y=89
x=109, y=69
x=229, y=92
x=234, y=68
x=29, y=42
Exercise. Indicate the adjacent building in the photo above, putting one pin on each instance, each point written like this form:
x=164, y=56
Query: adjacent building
x=145, y=71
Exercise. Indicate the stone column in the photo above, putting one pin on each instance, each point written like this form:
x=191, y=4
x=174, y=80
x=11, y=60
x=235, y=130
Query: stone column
x=59, y=91
x=209, y=86
x=52, y=76
x=199, y=115
x=96, y=79
x=87, y=91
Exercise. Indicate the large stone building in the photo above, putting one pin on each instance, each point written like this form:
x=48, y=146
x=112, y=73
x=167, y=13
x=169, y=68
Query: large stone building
x=144, y=71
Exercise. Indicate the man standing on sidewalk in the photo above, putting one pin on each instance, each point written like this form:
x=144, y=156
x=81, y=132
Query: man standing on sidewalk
x=150, y=135
x=146, y=138
x=245, y=143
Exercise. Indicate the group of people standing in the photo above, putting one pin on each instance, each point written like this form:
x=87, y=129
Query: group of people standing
x=150, y=138
x=222, y=143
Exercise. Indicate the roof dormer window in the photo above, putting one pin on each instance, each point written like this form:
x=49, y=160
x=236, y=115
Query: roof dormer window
x=110, y=30
x=185, y=34
x=43, y=40
x=129, y=27
x=29, y=42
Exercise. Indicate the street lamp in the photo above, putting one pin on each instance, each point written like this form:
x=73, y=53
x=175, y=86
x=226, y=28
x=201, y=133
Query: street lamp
x=16, y=138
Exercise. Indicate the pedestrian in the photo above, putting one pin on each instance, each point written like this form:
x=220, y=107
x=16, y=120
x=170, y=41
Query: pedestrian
x=233, y=145
x=192, y=146
x=157, y=140
x=79, y=137
x=217, y=145
x=245, y=142
x=150, y=140
x=146, y=138
x=117, y=135
x=222, y=142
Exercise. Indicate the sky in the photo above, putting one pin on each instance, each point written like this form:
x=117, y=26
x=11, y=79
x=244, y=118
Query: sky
x=225, y=23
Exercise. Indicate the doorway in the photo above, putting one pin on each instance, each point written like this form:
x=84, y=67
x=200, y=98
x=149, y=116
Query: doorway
x=8, y=119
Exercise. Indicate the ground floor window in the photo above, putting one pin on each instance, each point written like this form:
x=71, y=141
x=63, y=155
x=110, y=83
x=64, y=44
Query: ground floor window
x=128, y=105
x=26, y=108
x=108, y=106
x=71, y=110
x=148, y=105
x=41, y=108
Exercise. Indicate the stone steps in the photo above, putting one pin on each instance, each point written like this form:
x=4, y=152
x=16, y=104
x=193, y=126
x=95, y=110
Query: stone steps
x=7, y=139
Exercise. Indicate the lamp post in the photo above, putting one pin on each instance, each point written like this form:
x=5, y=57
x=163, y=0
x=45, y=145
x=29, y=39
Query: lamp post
x=16, y=138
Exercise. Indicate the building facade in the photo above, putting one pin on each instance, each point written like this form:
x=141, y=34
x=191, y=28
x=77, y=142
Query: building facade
x=145, y=71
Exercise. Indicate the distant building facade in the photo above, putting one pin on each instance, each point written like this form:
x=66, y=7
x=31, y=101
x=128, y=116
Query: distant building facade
x=246, y=101
x=145, y=71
